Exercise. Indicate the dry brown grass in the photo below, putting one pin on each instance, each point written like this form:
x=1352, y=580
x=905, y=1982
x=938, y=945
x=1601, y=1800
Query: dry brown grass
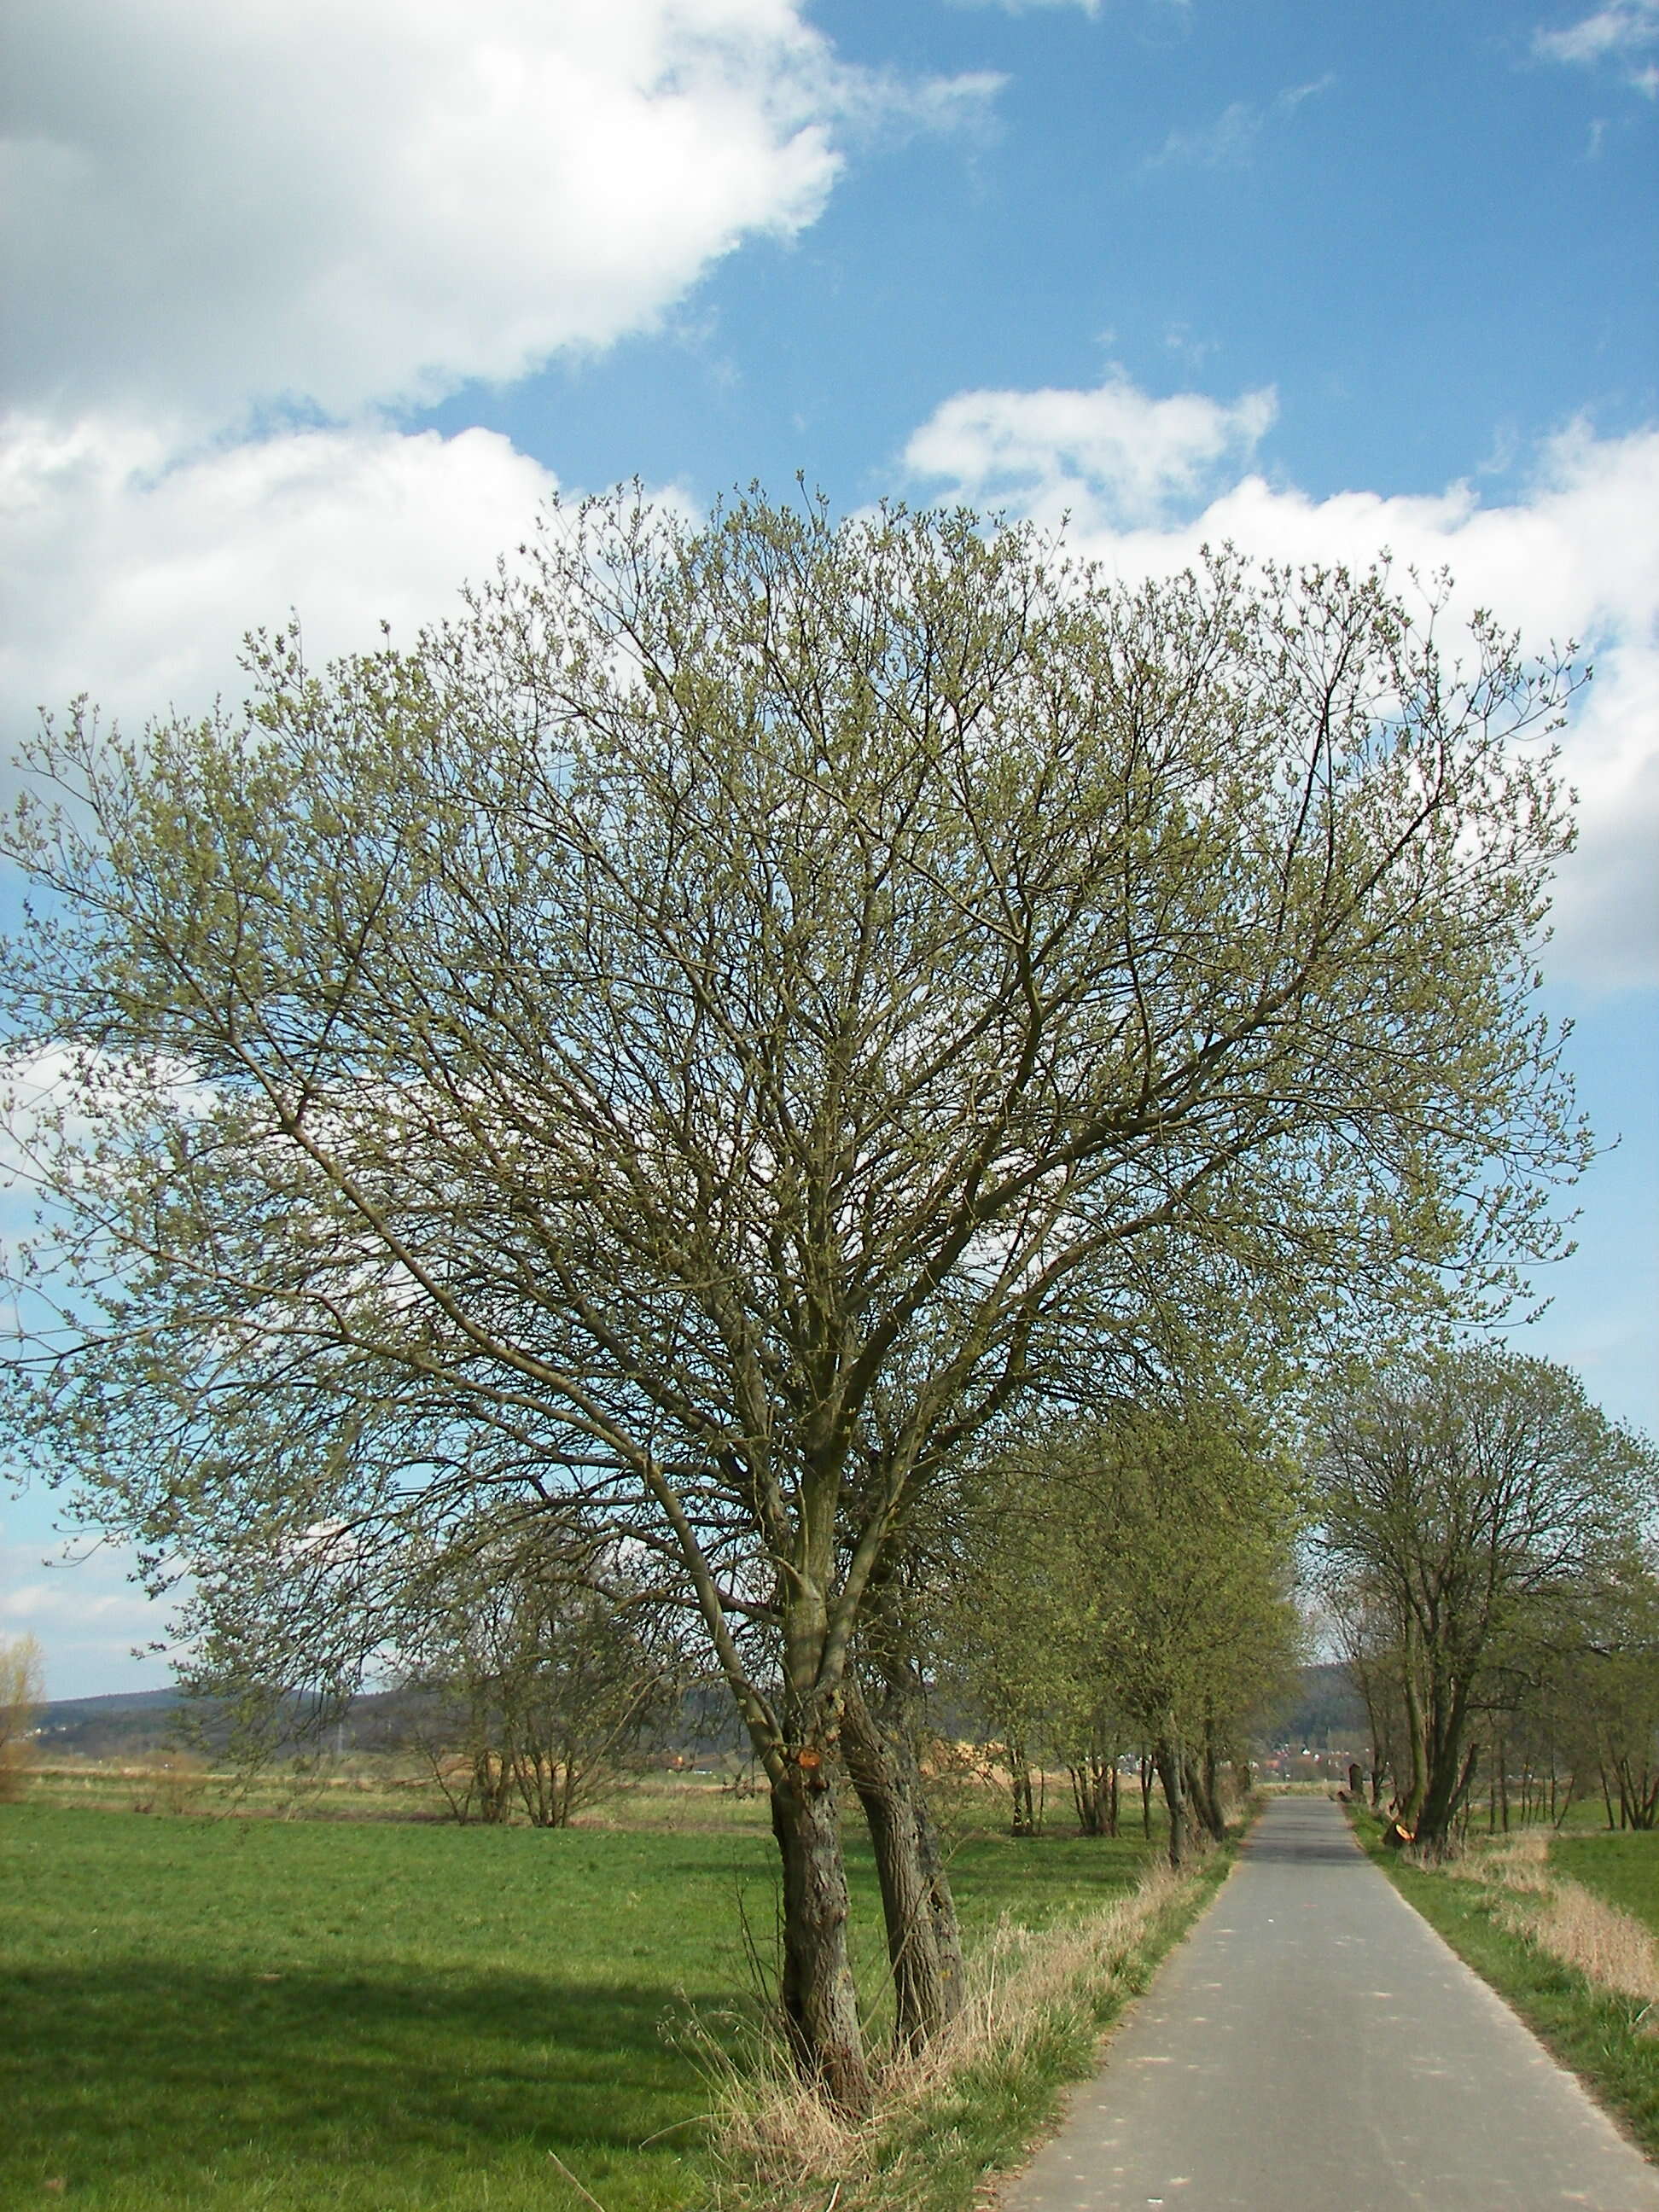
x=1025, y=1989
x=177, y=1783
x=1612, y=1949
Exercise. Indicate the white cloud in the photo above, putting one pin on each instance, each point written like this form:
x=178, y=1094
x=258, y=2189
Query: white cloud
x=1232, y=138
x=1029, y=7
x=1622, y=31
x=134, y=579
x=345, y=202
x=1575, y=556
x=81, y=1602
x=1111, y=453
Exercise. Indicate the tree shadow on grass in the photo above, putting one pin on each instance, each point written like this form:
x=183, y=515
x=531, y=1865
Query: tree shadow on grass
x=147, y=2073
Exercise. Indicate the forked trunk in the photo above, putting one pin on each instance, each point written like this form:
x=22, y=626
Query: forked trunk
x=815, y=1991
x=1167, y=1760
x=1447, y=1782
x=1448, y=1772
x=1195, y=1774
x=924, y=1945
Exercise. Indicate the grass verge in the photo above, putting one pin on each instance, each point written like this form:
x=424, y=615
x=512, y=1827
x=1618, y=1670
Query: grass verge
x=972, y=2106
x=1494, y=1925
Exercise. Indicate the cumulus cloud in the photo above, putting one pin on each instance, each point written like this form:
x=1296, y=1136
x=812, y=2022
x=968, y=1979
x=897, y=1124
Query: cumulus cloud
x=133, y=578
x=1112, y=452
x=1622, y=32
x=338, y=205
x=1575, y=556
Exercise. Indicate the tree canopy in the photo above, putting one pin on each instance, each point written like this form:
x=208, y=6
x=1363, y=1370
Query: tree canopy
x=711, y=1027
x=1475, y=1510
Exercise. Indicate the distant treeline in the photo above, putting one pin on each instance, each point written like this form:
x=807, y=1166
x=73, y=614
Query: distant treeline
x=1327, y=1713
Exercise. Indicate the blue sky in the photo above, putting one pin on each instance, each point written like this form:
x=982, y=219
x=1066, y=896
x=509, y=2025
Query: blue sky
x=310, y=306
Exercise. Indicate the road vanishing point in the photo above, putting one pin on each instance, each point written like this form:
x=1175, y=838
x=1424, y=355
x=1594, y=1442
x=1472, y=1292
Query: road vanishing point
x=1314, y=2046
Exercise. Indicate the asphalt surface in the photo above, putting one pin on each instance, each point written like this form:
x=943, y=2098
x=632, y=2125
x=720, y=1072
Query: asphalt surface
x=1313, y=2046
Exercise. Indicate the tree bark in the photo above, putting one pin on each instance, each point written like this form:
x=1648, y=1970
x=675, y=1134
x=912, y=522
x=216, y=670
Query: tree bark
x=1024, y=1822
x=816, y=1993
x=1413, y=1805
x=1167, y=1760
x=1201, y=1797
x=924, y=1945
x=1094, y=1792
x=1448, y=1781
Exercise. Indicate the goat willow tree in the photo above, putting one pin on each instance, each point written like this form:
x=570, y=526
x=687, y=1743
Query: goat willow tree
x=707, y=1028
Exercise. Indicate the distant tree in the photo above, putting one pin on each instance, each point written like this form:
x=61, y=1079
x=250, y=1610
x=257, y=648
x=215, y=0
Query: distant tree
x=1183, y=1528
x=527, y=1685
x=22, y=1686
x=1138, y=1592
x=710, y=1028
x=1367, y=1630
x=1012, y=1633
x=1601, y=1704
x=1471, y=1501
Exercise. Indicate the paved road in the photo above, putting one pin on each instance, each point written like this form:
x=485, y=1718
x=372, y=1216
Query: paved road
x=1314, y=2046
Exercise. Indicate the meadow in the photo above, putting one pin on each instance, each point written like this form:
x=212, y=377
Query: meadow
x=203, y=2012
x=1621, y=1865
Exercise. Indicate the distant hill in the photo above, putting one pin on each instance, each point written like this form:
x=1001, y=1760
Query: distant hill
x=140, y=1723
x=125, y=1701
x=1324, y=1714
x=126, y=1724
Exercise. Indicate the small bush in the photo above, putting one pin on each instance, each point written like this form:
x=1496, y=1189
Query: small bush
x=19, y=1693
x=176, y=1784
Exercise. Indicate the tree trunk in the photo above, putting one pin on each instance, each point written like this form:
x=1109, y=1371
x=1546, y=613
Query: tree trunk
x=1202, y=1800
x=1019, y=1783
x=924, y=1945
x=1448, y=1781
x=1168, y=1762
x=815, y=1992
x=1094, y=1792
x=1083, y=1800
x=1412, y=1805
x=1212, y=1787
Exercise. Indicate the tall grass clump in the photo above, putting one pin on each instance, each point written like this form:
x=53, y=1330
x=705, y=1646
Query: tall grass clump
x=1036, y=2003
x=1611, y=1948
x=177, y=1783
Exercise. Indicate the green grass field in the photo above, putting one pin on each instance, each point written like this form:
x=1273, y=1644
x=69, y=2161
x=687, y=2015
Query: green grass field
x=1621, y=1866
x=205, y=2013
